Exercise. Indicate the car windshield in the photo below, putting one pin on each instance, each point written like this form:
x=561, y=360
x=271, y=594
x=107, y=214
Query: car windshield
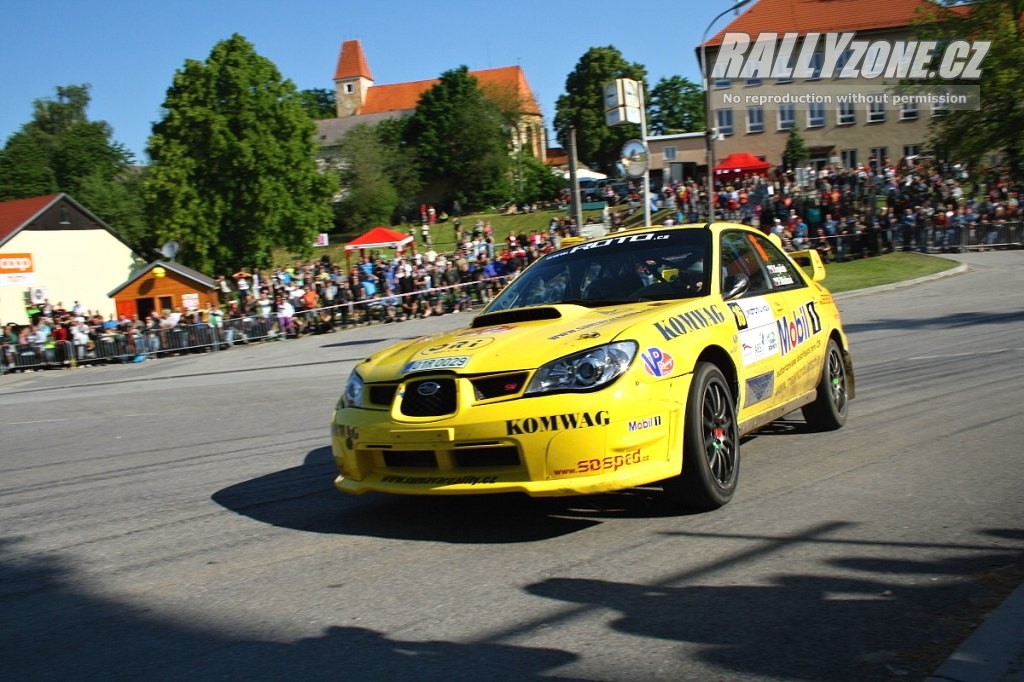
x=649, y=266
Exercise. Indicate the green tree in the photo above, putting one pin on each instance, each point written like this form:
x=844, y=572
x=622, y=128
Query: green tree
x=582, y=107
x=233, y=170
x=368, y=197
x=75, y=146
x=537, y=181
x=61, y=150
x=120, y=205
x=402, y=165
x=998, y=126
x=461, y=146
x=795, y=152
x=84, y=151
x=676, y=106
x=319, y=103
x=51, y=117
x=25, y=168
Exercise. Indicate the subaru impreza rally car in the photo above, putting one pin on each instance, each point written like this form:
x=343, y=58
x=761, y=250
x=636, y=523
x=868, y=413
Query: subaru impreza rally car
x=638, y=358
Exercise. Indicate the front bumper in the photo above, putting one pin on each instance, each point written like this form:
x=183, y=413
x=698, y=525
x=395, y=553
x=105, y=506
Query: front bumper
x=626, y=435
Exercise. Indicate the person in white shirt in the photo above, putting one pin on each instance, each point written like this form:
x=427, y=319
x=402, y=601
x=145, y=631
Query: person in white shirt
x=285, y=315
x=264, y=306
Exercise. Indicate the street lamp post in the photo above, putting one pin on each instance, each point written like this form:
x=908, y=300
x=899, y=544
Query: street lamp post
x=643, y=138
x=709, y=128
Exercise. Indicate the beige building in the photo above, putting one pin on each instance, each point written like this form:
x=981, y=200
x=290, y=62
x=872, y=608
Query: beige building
x=678, y=157
x=845, y=121
x=51, y=247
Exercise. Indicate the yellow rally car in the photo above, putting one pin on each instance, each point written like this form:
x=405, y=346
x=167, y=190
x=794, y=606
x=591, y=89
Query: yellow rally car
x=638, y=358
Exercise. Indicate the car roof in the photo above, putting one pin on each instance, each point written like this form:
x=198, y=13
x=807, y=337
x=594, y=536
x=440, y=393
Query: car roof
x=716, y=226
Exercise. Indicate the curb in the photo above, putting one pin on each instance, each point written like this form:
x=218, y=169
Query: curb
x=958, y=270
x=995, y=652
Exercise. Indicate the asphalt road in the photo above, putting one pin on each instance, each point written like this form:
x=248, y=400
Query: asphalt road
x=175, y=520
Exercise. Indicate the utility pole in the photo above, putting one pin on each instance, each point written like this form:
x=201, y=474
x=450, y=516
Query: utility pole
x=574, y=183
x=709, y=124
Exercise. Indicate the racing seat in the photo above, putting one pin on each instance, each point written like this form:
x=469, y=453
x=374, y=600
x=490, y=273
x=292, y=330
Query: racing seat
x=618, y=286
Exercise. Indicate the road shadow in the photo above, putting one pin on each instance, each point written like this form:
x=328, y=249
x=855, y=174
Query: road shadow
x=363, y=342
x=51, y=629
x=863, y=622
x=304, y=498
x=969, y=319
x=863, y=617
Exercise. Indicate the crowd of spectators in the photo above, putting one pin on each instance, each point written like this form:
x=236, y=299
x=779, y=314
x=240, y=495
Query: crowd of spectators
x=384, y=287
x=317, y=296
x=915, y=204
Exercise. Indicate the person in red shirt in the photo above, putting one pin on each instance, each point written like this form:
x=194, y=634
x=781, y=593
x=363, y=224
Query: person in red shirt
x=61, y=333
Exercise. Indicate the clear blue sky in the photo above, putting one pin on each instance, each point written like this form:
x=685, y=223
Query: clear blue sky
x=128, y=50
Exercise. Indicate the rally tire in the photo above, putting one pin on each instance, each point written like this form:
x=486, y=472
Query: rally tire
x=830, y=406
x=711, y=444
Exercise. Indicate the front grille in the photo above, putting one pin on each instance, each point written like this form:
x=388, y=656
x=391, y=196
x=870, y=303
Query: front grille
x=410, y=458
x=498, y=386
x=486, y=457
x=382, y=394
x=429, y=398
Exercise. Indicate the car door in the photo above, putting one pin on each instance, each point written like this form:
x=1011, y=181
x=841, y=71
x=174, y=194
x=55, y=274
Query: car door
x=778, y=326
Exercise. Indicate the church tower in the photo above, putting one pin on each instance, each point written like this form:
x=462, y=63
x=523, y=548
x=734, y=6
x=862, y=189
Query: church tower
x=352, y=79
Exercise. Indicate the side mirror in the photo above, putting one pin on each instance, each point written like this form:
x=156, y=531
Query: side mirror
x=735, y=285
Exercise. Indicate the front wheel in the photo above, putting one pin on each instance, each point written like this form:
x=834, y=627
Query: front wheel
x=711, y=444
x=828, y=411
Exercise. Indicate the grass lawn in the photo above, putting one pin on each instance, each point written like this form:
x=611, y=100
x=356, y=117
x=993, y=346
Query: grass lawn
x=857, y=274
x=884, y=269
x=443, y=235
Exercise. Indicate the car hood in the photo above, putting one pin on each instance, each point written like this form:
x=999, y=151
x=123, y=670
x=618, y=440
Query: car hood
x=525, y=338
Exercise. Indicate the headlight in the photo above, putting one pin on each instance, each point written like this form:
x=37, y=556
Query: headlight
x=353, y=396
x=584, y=371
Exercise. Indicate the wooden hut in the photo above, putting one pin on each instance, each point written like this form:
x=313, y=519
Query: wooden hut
x=164, y=285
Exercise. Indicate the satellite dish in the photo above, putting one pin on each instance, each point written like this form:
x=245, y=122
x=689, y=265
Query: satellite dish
x=635, y=158
x=169, y=250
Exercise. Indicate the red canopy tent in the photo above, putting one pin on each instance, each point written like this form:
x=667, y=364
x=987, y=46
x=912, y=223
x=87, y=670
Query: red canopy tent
x=740, y=164
x=380, y=238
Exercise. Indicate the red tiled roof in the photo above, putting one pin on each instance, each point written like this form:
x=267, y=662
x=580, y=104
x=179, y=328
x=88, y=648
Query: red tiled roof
x=14, y=214
x=395, y=97
x=804, y=16
x=352, y=62
x=405, y=96
x=510, y=79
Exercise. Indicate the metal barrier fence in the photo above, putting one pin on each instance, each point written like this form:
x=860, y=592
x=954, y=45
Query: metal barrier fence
x=137, y=346
x=1009, y=234
x=977, y=236
x=955, y=238
x=927, y=239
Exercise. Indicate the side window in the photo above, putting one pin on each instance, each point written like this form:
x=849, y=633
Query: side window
x=739, y=258
x=755, y=256
x=782, y=273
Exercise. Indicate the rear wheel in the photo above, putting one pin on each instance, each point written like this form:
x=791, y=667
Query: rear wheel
x=828, y=411
x=711, y=444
